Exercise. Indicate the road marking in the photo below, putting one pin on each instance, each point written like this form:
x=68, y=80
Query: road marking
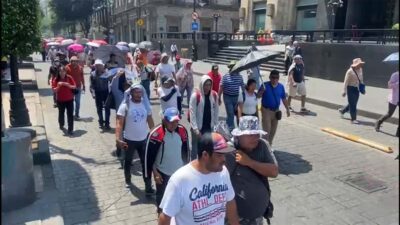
x=357, y=139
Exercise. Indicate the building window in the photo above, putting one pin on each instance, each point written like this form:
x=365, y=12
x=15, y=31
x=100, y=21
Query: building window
x=310, y=13
x=173, y=29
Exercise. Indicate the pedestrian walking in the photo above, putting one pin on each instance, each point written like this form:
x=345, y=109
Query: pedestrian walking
x=254, y=72
x=352, y=80
x=63, y=57
x=174, y=51
x=99, y=91
x=184, y=80
x=203, y=112
x=296, y=83
x=164, y=69
x=289, y=51
x=297, y=49
x=178, y=64
x=169, y=94
x=112, y=63
x=52, y=54
x=230, y=85
x=201, y=191
x=249, y=167
x=53, y=73
x=393, y=100
x=43, y=50
x=63, y=85
x=144, y=74
x=272, y=93
x=134, y=120
x=167, y=150
x=215, y=77
x=247, y=101
x=76, y=71
x=161, y=46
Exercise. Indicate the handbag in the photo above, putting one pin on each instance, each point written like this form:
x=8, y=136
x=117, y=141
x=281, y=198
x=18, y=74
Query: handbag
x=278, y=114
x=151, y=74
x=361, y=86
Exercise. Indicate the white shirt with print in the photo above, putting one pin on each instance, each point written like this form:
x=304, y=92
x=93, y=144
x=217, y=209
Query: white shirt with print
x=193, y=198
x=136, y=128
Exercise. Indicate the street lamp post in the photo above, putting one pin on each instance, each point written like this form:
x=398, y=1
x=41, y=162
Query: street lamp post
x=216, y=17
x=333, y=5
x=194, y=47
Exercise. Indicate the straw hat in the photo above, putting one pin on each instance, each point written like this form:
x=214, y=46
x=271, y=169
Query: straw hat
x=356, y=62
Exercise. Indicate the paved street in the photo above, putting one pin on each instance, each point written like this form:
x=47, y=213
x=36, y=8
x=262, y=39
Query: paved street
x=307, y=190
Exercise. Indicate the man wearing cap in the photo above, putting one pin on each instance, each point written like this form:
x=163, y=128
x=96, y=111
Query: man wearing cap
x=230, y=86
x=249, y=168
x=99, y=90
x=167, y=150
x=76, y=71
x=53, y=72
x=296, y=83
x=169, y=94
x=215, y=77
x=164, y=69
x=201, y=191
x=134, y=119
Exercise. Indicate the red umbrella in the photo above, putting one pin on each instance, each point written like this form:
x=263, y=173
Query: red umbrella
x=76, y=48
x=100, y=42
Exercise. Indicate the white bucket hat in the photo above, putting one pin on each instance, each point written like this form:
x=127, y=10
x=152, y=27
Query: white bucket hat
x=248, y=125
x=98, y=62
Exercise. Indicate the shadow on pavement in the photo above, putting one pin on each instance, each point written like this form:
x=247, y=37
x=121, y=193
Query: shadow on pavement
x=384, y=132
x=310, y=113
x=86, y=119
x=141, y=197
x=78, y=133
x=367, y=123
x=45, y=92
x=290, y=163
x=78, y=198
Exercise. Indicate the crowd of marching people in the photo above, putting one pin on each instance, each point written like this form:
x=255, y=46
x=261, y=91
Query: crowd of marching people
x=209, y=172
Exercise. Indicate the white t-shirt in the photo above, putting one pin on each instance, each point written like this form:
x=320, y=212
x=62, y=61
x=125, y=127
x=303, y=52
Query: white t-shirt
x=250, y=103
x=136, y=128
x=172, y=102
x=193, y=198
x=165, y=69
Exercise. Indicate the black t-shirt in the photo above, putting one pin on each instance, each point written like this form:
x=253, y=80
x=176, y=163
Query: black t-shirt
x=298, y=73
x=207, y=115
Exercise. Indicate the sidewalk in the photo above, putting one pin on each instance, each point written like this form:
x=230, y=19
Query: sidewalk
x=326, y=93
x=45, y=209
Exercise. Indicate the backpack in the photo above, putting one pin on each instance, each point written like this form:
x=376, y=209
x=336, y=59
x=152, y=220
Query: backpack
x=198, y=97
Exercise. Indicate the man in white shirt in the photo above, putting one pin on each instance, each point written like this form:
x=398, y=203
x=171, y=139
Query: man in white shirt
x=164, y=69
x=201, y=192
x=169, y=94
x=136, y=119
x=174, y=51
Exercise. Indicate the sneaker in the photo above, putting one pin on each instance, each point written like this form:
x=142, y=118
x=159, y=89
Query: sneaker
x=61, y=127
x=76, y=117
x=107, y=127
x=70, y=132
x=377, y=126
x=55, y=105
x=341, y=113
x=355, y=122
x=128, y=184
x=291, y=109
x=150, y=191
x=304, y=110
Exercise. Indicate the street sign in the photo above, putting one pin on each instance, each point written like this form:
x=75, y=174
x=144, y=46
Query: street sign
x=140, y=22
x=195, y=26
x=195, y=15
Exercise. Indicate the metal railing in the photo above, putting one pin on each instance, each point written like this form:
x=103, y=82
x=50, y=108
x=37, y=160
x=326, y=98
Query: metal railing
x=378, y=36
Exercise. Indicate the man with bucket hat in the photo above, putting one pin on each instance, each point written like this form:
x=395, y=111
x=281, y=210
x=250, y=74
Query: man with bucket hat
x=249, y=168
x=201, y=191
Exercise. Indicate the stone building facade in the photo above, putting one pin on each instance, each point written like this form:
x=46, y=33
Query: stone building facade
x=315, y=15
x=159, y=16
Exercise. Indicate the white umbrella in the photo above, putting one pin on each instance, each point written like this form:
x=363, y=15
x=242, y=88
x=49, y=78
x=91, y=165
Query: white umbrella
x=122, y=43
x=132, y=45
x=67, y=42
x=53, y=43
x=92, y=44
x=104, y=51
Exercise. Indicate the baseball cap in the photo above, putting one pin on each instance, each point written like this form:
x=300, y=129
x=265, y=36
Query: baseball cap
x=214, y=142
x=297, y=57
x=171, y=114
x=74, y=58
x=214, y=67
x=98, y=62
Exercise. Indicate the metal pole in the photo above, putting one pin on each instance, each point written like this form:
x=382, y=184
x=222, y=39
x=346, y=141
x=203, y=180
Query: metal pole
x=194, y=48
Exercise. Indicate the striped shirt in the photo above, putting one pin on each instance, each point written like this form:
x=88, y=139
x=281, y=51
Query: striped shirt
x=231, y=84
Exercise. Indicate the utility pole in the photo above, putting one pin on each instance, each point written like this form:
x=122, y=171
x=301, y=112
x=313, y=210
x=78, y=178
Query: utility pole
x=194, y=47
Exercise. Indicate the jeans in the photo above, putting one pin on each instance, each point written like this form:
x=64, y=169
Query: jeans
x=128, y=157
x=160, y=189
x=230, y=102
x=188, y=92
x=146, y=85
x=100, y=98
x=78, y=101
x=352, y=97
x=69, y=105
x=195, y=142
x=391, y=109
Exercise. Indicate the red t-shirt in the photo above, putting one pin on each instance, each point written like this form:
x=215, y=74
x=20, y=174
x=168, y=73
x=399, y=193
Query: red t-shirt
x=64, y=94
x=76, y=73
x=216, y=79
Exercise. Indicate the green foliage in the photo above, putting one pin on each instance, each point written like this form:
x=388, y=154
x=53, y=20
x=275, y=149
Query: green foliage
x=20, y=33
x=395, y=26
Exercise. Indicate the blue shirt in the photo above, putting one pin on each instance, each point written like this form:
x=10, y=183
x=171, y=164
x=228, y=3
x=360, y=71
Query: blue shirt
x=231, y=84
x=271, y=97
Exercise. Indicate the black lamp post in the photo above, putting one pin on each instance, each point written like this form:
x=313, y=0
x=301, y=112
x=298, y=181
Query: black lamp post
x=333, y=5
x=194, y=46
x=216, y=16
x=19, y=116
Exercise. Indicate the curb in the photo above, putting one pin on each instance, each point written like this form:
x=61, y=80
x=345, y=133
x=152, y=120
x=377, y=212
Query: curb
x=335, y=106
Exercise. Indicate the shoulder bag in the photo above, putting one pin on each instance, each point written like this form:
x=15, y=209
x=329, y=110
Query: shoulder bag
x=361, y=86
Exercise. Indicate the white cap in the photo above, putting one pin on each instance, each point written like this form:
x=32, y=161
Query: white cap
x=297, y=57
x=98, y=62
